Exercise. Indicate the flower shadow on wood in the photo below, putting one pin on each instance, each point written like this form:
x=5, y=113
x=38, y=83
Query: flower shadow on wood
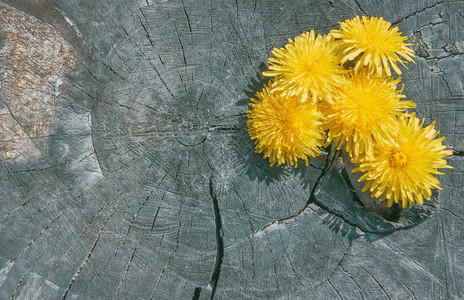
x=336, y=195
x=244, y=148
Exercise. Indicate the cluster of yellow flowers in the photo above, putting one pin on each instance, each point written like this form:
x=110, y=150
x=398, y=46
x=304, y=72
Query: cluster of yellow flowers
x=339, y=88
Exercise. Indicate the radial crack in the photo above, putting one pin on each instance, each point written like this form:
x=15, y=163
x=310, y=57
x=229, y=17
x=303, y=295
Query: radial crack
x=196, y=294
x=328, y=164
x=416, y=13
x=89, y=254
x=456, y=152
x=377, y=282
x=336, y=291
x=360, y=7
x=220, y=243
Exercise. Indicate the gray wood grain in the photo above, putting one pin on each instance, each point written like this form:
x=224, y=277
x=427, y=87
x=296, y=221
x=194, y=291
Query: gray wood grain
x=144, y=184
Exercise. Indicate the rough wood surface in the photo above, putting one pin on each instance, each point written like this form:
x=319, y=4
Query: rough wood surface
x=126, y=170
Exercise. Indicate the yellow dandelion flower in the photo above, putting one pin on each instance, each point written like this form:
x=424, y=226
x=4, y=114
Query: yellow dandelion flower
x=374, y=42
x=284, y=128
x=363, y=112
x=308, y=66
x=402, y=169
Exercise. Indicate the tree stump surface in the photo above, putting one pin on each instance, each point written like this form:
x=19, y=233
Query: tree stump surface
x=126, y=169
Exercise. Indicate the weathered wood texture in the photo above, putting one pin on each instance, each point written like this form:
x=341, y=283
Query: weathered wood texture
x=126, y=170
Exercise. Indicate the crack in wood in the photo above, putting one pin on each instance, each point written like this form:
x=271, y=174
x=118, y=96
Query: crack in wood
x=416, y=13
x=274, y=268
x=253, y=273
x=354, y=281
x=219, y=240
x=376, y=281
x=127, y=268
x=452, y=213
x=400, y=252
x=311, y=199
x=340, y=262
x=186, y=15
x=172, y=256
x=196, y=294
x=157, y=211
x=360, y=8
x=448, y=272
x=20, y=282
x=93, y=217
x=456, y=152
x=222, y=128
x=286, y=253
x=133, y=218
x=406, y=286
x=181, y=46
x=87, y=258
x=336, y=291
x=244, y=209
